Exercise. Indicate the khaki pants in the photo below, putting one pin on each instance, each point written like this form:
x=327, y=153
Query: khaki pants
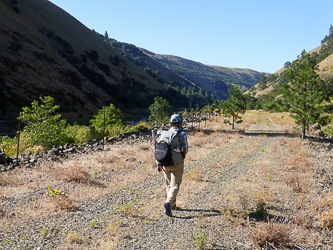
x=173, y=178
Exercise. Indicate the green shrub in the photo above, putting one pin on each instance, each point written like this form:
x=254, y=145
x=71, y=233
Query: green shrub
x=9, y=145
x=110, y=114
x=43, y=128
x=78, y=134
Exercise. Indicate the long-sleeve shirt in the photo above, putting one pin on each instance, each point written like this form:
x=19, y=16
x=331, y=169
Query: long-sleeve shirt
x=183, y=138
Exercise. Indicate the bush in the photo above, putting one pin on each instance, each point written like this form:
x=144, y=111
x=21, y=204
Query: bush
x=43, y=128
x=78, y=134
x=9, y=145
x=75, y=173
x=110, y=114
x=160, y=111
x=271, y=234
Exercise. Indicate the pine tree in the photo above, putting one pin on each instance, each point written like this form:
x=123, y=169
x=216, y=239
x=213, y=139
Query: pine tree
x=305, y=94
x=160, y=111
x=234, y=106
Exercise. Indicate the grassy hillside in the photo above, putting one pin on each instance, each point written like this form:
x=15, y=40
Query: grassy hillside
x=271, y=85
x=45, y=51
x=215, y=79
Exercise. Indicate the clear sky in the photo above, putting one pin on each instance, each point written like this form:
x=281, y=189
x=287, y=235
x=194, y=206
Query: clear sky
x=255, y=34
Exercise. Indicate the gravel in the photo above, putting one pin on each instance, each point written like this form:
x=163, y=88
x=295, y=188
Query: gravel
x=204, y=208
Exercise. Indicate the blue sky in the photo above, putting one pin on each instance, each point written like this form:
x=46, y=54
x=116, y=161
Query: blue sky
x=258, y=34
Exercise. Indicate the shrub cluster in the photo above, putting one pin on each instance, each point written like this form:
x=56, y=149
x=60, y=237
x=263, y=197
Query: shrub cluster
x=44, y=129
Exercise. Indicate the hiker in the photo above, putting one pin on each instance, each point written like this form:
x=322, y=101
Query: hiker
x=173, y=174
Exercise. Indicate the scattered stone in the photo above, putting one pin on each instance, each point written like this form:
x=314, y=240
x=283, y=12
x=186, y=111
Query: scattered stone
x=319, y=133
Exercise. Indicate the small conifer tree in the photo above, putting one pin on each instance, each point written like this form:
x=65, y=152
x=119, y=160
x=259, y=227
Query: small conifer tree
x=234, y=106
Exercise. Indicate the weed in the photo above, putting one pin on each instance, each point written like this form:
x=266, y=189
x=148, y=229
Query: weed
x=94, y=172
x=200, y=237
x=261, y=210
x=243, y=199
x=53, y=192
x=269, y=175
x=44, y=230
x=227, y=214
x=127, y=206
x=303, y=219
x=93, y=222
x=112, y=226
x=73, y=237
x=147, y=220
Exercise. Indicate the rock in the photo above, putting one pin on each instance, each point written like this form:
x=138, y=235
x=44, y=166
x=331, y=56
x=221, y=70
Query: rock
x=319, y=133
x=69, y=150
x=316, y=126
x=4, y=159
x=51, y=153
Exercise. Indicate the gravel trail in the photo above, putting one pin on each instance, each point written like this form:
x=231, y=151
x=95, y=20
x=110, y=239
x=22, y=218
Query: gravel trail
x=119, y=223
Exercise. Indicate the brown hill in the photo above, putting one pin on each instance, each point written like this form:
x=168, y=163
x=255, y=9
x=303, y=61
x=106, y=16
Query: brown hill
x=215, y=79
x=45, y=51
x=325, y=70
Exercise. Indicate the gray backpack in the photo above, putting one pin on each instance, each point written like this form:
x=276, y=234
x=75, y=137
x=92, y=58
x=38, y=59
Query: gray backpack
x=164, y=153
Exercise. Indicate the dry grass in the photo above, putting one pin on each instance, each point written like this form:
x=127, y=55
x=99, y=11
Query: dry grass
x=8, y=180
x=297, y=182
x=327, y=219
x=74, y=173
x=272, y=234
x=73, y=238
x=287, y=160
x=195, y=175
x=250, y=117
x=63, y=202
x=303, y=219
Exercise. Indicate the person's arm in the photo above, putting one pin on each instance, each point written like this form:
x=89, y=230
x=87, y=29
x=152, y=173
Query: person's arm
x=184, y=144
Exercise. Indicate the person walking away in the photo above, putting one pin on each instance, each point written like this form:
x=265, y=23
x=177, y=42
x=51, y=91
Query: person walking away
x=174, y=174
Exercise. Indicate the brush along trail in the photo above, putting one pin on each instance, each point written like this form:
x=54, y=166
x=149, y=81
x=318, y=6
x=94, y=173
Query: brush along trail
x=226, y=176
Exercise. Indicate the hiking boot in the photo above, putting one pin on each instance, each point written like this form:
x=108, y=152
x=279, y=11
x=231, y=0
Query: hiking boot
x=167, y=209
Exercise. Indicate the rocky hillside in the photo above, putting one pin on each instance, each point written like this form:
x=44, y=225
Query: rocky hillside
x=45, y=51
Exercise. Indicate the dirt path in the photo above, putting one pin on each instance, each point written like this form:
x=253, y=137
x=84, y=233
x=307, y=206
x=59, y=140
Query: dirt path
x=133, y=217
x=265, y=125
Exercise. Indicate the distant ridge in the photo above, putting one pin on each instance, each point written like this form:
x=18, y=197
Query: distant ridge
x=216, y=79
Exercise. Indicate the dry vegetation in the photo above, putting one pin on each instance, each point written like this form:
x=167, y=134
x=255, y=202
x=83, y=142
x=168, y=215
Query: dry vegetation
x=274, y=199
